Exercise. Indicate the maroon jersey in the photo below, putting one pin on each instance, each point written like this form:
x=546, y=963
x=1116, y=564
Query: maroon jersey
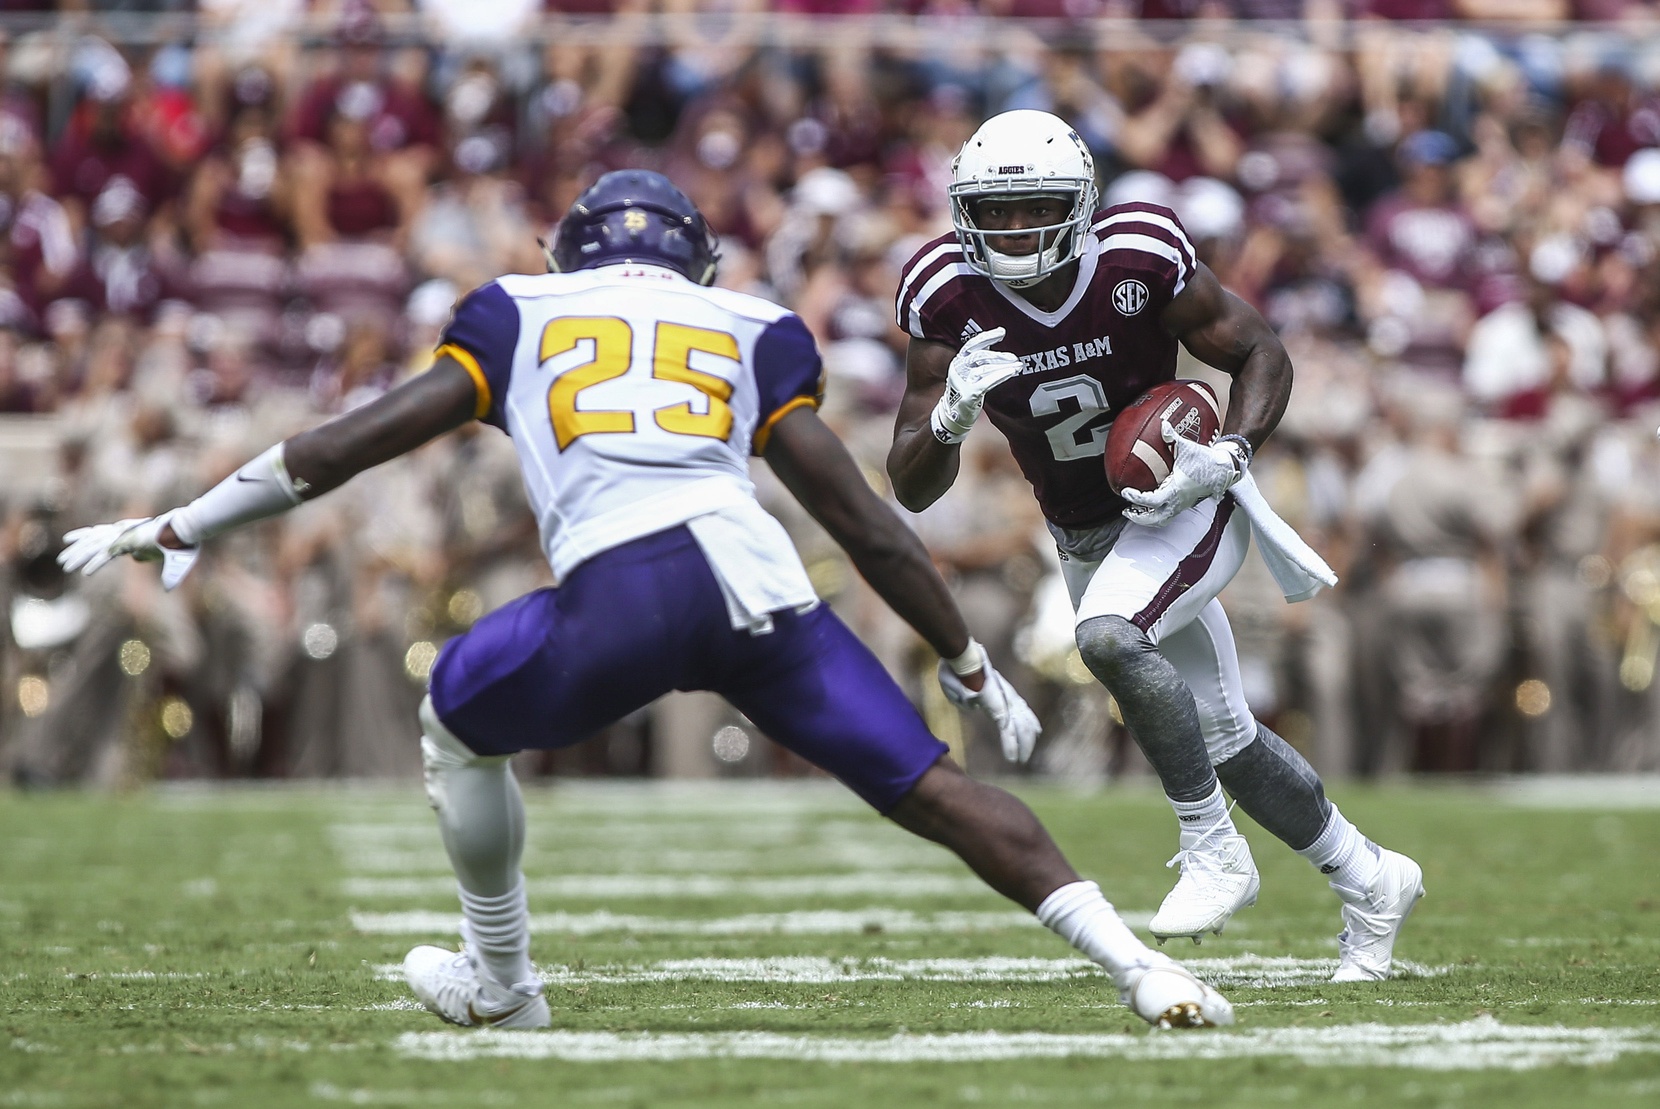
x=1084, y=362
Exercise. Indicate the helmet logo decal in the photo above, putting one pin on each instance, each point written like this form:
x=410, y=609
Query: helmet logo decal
x=1129, y=297
x=1012, y=171
x=634, y=220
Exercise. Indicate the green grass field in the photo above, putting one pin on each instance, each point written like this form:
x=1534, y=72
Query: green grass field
x=779, y=945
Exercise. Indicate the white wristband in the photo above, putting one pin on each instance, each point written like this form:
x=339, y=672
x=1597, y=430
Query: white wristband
x=943, y=428
x=260, y=489
x=969, y=661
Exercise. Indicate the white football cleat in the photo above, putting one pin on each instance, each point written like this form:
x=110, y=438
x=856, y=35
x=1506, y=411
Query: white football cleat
x=1366, y=946
x=1218, y=879
x=451, y=985
x=1165, y=994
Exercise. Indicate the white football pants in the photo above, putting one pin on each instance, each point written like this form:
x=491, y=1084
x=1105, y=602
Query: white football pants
x=1165, y=581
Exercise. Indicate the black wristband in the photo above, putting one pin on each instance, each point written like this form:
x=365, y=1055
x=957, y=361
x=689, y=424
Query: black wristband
x=1244, y=443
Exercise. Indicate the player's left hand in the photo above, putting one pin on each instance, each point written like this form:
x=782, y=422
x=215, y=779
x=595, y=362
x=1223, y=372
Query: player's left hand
x=1200, y=472
x=1017, y=725
x=91, y=548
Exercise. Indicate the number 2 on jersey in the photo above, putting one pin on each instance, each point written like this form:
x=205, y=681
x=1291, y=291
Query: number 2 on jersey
x=1064, y=436
x=613, y=339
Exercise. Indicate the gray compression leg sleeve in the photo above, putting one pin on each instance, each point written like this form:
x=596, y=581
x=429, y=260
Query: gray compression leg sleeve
x=480, y=813
x=1156, y=703
x=1278, y=788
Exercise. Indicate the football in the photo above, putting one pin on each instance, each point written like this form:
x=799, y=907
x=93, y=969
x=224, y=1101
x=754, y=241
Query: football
x=1137, y=456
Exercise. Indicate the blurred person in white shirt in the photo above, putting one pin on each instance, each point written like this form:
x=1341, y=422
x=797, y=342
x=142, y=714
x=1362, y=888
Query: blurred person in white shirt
x=1523, y=352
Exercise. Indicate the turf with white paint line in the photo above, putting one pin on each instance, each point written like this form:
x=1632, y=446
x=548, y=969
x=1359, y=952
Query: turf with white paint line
x=1480, y=1044
x=827, y=922
x=906, y=884
x=1254, y=971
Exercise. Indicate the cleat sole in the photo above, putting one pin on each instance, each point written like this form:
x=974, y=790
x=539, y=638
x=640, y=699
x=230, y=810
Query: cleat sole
x=1186, y=1015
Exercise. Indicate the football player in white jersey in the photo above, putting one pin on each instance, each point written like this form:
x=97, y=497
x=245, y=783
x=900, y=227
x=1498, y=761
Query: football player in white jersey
x=635, y=394
x=1050, y=317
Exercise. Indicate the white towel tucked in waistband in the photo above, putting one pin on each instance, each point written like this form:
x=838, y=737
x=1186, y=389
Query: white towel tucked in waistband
x=755, y=563
x=1299, y=571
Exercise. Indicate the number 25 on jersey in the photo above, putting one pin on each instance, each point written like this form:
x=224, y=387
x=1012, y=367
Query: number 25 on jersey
x=613, y=346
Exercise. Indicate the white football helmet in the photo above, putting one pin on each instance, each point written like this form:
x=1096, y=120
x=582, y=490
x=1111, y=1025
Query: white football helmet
x=1016, y=154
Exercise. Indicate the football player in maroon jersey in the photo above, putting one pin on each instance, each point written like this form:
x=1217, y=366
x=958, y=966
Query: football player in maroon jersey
x=1052, y=316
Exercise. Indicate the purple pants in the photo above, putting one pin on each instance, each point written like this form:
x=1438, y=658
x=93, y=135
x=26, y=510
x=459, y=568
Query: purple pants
x=629, y=625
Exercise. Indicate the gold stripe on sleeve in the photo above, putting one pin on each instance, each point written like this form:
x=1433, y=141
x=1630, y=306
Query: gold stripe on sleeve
x=470, y=364
x=764, y=432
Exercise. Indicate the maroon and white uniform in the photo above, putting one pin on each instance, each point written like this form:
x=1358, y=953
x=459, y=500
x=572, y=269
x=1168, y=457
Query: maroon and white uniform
x=1084, y=362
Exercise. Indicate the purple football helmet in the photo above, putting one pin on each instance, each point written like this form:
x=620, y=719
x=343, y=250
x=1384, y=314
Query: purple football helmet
x=634, y=215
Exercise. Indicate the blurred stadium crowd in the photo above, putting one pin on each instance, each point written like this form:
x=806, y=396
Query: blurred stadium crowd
x=217, y=230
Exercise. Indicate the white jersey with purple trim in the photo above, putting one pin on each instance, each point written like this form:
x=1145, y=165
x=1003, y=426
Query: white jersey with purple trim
x=634, y=396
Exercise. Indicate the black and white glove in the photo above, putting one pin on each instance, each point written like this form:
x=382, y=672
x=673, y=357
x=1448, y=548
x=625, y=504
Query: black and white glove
x=92, y=548
x=974, y=372
x=1017, y=724
x=1199, y=473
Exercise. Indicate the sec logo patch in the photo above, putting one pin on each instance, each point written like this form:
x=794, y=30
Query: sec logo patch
x=1130, y=297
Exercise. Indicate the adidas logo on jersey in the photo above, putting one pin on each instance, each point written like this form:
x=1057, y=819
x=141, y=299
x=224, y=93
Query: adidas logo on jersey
x=971, y=329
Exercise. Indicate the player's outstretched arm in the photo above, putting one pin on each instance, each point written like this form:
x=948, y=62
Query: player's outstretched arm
x=816, y=468
x=395, y=423
x=1221, y=330
x=301, y=468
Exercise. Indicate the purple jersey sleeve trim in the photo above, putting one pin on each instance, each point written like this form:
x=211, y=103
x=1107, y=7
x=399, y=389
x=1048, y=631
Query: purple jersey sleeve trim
x=486, y=326
x=788, y=373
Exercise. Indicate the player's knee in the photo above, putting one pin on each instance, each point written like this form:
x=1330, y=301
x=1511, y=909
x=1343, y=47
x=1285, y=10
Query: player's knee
x=1110, y=646
x=1227, y=738
x=443, y=753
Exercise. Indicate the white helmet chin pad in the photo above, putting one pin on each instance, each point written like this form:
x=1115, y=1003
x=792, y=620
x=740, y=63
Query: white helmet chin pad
x=1016, y=154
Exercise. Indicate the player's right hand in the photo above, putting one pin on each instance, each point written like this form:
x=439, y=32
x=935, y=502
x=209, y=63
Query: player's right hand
x=974, y=372
x=90, y=549
x=1017, y=725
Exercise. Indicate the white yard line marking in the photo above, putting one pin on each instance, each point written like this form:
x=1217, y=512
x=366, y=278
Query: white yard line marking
x=1582, y=792
x=827, y=922
x=1480, y=1044
x=1256, y=971
x=856, y=884
x=780, y=862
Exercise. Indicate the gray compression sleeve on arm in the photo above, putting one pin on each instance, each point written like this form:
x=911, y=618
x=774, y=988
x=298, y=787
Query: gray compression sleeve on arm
x=258, y=490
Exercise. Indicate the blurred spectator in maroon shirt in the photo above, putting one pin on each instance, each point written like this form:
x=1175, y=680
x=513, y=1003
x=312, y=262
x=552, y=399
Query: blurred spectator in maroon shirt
x=105, y=139
x=1614, y=119
x=396, y=117
x=38, y=245
x=1417, y=287
x=1174, y=122
x=1423, y=230
x=119, y=274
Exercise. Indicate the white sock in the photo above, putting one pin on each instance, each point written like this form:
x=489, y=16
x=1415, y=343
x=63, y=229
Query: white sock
x=1204, y=820
x=1081, y=916
x=481, y=817
x=1343, y=855
x=498, y=931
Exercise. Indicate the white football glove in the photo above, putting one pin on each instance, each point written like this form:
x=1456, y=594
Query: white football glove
x=974, y=372
x=1200, y=472
x=1017, y=724
x=91, y=548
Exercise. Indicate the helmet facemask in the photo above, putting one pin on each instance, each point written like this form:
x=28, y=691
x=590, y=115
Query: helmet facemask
x=1059, y=244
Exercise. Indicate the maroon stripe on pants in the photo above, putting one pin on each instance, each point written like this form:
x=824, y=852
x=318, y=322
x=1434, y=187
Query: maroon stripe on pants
x=1195, y=566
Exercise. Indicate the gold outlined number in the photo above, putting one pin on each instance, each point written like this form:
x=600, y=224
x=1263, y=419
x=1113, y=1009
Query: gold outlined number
x=613, y=341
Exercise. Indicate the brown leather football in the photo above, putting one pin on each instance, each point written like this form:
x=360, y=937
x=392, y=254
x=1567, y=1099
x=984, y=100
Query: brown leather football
x=1137, y=456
